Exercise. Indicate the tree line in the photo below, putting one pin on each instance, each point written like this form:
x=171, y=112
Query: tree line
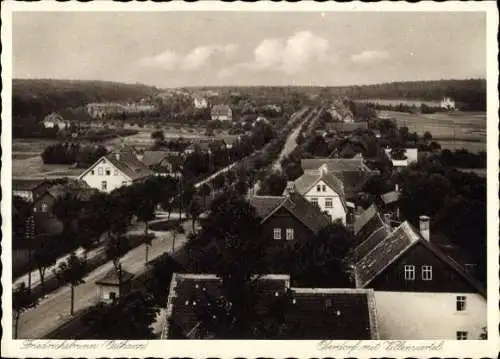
x=72, y=153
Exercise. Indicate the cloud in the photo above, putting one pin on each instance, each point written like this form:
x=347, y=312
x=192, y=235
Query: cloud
x=167, y=60
x=197, y=58
x=370, y=56
x=192, y=61
x=292, y=54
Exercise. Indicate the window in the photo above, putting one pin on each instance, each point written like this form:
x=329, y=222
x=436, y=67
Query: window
x=277, y=233
x=104, y=185
x=328, y=202
x=108, y=171
x=99, y=171
x=426, y=272
x=44, y=207
x=314, y=200
x=124, y=183
x=461, y=300
x=92, y=172
x=318, y=188
x=289, y=234
x=409, y=272
x=116, y=172
x=461, y=335
x=323, y=188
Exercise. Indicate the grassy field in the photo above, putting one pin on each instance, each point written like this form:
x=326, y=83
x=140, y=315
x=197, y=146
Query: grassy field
x=452, y=130
x=396, y=102
x=26, y=160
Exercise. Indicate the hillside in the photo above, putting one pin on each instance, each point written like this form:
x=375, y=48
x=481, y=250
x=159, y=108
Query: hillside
x=470, y=93
x=34, y=97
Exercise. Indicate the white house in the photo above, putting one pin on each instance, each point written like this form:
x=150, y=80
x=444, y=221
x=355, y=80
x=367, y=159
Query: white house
x=200, y=102
x=115, y=170
x=411, y=155
x=448, y=104
x=420, y=292
x=221, y=113
x=55, y=120
x=324, y=189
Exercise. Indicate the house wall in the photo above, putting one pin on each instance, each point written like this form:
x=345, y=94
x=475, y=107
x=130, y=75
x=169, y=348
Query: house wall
x=444, y=277
x=283, y=219
x=115, y=179
x=40, y=209
x=420, y=315
x=337, y=211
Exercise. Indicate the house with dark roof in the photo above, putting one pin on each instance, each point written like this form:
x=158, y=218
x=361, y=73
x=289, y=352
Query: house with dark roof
x=163, y=163
x=43, y=206
x=352, y=172
x=324, y=189
x=116, y=169
x=420, y=292
x=304, y=313
x=289, y=217
x=29, y=189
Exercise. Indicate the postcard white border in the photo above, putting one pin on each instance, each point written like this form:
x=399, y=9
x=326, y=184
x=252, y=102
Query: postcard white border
x=223, y=349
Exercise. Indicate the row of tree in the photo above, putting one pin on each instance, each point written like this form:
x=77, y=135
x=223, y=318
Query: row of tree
x=71, y=153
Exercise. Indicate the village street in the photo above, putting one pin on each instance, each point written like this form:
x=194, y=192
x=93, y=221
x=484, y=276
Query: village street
x=290, y=144
x=53, y=310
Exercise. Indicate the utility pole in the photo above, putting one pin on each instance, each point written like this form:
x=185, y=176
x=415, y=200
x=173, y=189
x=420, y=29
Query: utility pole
x=29, y=235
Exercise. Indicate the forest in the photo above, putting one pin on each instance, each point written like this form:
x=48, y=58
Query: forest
x=41, y=97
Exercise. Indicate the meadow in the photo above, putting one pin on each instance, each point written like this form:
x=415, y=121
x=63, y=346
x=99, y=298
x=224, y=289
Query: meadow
x=453, y=130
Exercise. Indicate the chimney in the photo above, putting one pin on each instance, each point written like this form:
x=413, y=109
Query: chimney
x=387, y=220
x=424, y=227
x=324, y=169
x=290, y=188
x=396, y=187
x=117, y=156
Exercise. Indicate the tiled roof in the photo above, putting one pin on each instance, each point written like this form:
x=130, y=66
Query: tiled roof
x=352, y=172
x=264, y=205
x=27, y=184
x=363, y=219
x=334, y=164
x=310, y=313
x=354, y=181
x=112, y=277
x=221, y=110
x=385, y=253
x=336, y=314
x=393, y=247
x=129, y=164
x=150, y=158
x=390, y=197
x=305, y=211
x=189, y=290
x=308, y=213
x=310, y=177
x=369, y=243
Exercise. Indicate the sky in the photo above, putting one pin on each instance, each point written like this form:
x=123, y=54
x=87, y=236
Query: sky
x=176, y=49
